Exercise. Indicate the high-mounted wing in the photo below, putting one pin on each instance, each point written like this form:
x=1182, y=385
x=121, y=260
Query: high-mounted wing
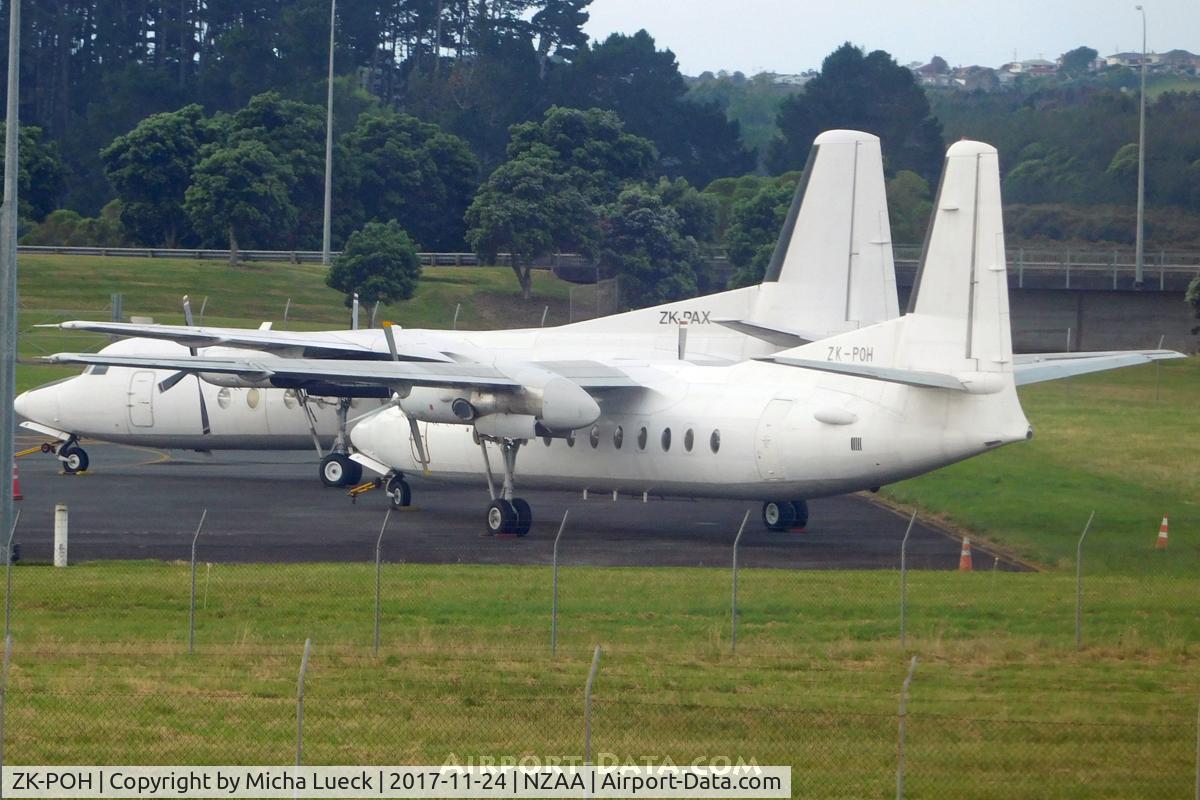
x=289, y=344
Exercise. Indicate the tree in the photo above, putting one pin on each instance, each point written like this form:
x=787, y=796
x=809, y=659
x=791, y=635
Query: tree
x=530, y=208
x=939, y=65
x=909, y=206
x=294, y=132
x=644, y=244
x=754, y=225
x=559, y=29
x=151, y=168
x=394, y=166
x=240, y=192
x=865, y=92
x=1192, y=298
x=1077, y=62
x=66, y=228
x=40, y=177
x=379, y=262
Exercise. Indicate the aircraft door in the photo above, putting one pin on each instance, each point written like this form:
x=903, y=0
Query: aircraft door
x=769, y=441
x=141, y=399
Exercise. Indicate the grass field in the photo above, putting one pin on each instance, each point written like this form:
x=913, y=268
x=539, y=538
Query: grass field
x=1003, y=704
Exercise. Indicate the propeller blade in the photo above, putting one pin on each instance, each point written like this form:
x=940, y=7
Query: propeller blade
x=205, y=427
x=391, y=340
x=187, y=311
x=169, y=382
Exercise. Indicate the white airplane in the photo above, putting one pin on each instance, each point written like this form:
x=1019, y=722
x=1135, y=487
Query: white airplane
x=858, y=410
x=831, y=271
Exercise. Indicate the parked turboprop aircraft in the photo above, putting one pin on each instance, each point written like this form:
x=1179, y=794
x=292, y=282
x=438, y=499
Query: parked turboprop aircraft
x=854, y=411
x=831, y=271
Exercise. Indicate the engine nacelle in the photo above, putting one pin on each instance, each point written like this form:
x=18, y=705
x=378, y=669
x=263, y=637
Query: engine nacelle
x=433, y=404
x=557, y=405
x=235, y=381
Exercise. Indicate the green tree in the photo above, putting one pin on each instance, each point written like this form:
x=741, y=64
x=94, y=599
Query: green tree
x=1077, y=62
x=66, y=228
x=394, y=166
x=754, y=225
x=41, y=173
x=644, y=244
x=1193, y=299
x=909, y=206
x=379, y=262
x=294, y=132
x=529, y=208
x=240, y=192
x=868, y=92
x=151, y=168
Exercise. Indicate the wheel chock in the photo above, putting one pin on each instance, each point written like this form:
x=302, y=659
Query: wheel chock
x=363, y=488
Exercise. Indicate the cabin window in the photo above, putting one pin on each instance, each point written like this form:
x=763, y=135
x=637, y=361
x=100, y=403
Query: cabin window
x=618, y=437
x=252, y=398
x=223, y=398
x=642, y=435
x=689, y=439
x=289, y=398
x=666, y=439
x=594, y=436
x=714, y=441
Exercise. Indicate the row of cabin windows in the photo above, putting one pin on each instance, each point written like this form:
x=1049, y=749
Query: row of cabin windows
x=643, y=436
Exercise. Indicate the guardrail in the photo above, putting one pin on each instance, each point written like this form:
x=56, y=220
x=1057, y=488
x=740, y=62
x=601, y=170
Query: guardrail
x=1039, y=267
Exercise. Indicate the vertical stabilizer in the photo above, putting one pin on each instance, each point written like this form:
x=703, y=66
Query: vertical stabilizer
x=962, y=282
x=832, y=267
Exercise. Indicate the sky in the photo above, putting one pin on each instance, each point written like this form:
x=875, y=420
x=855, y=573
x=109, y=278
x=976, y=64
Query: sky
x=795, y=35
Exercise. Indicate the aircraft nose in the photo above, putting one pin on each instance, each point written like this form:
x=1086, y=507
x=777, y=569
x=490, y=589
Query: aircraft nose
x=38, y=405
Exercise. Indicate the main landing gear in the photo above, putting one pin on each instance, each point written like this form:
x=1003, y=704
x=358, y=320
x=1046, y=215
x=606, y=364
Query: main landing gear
x=782, y=515
x=337, y=469
x=506, y=515
x=74, y=459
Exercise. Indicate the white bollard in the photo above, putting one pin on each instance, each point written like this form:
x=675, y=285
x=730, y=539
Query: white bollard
x=60, y=535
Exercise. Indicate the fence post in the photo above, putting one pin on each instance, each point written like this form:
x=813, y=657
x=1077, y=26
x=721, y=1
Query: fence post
x=454, y=324
x=1197, y=730
x=554, y=600
x=286, y=309
x=192, y=603
x=545, y=311
x=912, y=667
x=587, y=708
x=1079, y=584
x=1158, y=368
x=60, y=535
x=8, y=559
x=733, y=606
x=378, y=551
x=4, y=697
x=1020, y=267
x=904, y=577
x=300, y=701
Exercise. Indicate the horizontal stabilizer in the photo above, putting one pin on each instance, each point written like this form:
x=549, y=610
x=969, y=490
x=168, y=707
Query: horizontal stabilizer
x=779, y=337
x=1038, y=367
x=908, y=377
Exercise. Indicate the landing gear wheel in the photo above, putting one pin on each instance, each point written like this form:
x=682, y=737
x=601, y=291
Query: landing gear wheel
x=524, y=516
x=778, y=515
x=338, y=470
x=801, y=509
x=399, y=493
x=74, y=459
x=501, y=517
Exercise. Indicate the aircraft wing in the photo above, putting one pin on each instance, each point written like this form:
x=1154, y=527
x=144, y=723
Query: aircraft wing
x=296, y=372
x=1038, y=367
x=291, y=344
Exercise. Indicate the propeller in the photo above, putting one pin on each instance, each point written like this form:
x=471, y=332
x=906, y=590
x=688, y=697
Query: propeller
x=169, y=382
x=412, y=422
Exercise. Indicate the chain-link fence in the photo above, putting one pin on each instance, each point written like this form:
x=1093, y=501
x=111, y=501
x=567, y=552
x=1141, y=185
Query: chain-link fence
x=599, y=299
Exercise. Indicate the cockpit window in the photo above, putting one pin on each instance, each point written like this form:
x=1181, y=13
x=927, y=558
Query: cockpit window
x=96, y=369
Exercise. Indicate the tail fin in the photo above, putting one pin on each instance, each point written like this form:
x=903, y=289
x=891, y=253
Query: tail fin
x=962, y=279
x=956, y=334
x=832, y=267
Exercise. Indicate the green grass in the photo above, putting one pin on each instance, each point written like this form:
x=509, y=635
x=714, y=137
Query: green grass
x=1102, y=442
x=101, y=673
x=54, y=288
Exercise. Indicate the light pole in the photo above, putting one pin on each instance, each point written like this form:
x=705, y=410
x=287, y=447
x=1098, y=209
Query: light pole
x=8, y=264
x=325, y=234
x=1139, y=256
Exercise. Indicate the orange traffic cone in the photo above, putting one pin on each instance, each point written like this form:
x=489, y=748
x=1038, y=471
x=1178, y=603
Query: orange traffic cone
x=16, y=484
x=1161, y=544
x=964, y=559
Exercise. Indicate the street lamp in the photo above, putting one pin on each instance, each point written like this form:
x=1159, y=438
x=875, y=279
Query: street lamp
x=327, y=224
x=1139, y=260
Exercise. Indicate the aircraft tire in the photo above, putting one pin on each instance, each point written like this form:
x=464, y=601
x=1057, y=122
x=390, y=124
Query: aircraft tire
x=778, y=515
x=501, y=517
x=75, y=459
x=399, y=492
x=337, y=470
x=524, y=516
x=801, y=509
